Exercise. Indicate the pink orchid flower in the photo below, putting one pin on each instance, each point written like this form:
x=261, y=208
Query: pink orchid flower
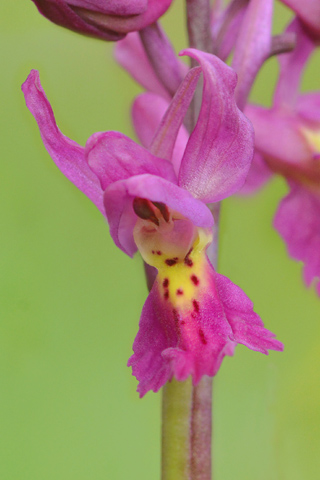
x=155, y=202
x=109, y=20
x=288, y=144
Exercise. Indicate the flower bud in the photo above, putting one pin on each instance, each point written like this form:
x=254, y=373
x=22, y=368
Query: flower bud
x=106, y=19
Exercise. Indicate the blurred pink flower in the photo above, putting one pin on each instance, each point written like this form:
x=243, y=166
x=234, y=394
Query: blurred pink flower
x=288, y=144
x=155, y=202
x=309, y=13
x=109, y=20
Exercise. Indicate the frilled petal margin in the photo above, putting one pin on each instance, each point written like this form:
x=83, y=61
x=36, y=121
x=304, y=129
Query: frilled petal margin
x=118, y=200
x=67, y=154
x=298, y=222
x=178, y=338
x=220, y=149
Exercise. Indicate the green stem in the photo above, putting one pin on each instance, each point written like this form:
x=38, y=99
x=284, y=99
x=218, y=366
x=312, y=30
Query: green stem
x=176, y=414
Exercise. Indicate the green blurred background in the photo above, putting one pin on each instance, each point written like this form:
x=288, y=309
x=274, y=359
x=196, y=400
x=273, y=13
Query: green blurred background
x=70, y=300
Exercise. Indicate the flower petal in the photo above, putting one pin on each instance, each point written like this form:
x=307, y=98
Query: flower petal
x=308, y=107
x=165, y=138
x=308, y=11
x=252, y=47
x=220, y=149
x=67, y=154
x=298, y=222
x=180, y=337
x=258, y=175
x=130, y=23
x=147, y=112
x=118, y=203
x=278, y=134
x=292, y=65
x=62, y=14
x=113, y=156
x=130, y=54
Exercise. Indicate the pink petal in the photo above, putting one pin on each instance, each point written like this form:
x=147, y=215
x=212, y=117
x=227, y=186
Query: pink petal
x=131, y=55
x=165, y=138
x=67, y=154
x=118, y=203
x=258, y=175
x=298, y=222
x=278, y=134
x=252, y=47
x=130, y=23
x=112, y=156
x=220, y=149
x=308, y=107
x=179, y=342
x=308, y=11
x=113, y=7
x=59, y=12
x=292, y=65
x=147, y=112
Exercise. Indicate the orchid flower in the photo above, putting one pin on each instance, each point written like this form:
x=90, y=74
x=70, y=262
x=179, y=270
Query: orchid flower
x=109, y=20
x=288, y=144
x=155, y=202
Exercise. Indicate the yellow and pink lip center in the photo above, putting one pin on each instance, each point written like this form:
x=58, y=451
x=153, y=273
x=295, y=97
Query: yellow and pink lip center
x=176, y=247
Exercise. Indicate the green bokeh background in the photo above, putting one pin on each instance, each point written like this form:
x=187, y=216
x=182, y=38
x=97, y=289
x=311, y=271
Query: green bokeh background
x=70, y=300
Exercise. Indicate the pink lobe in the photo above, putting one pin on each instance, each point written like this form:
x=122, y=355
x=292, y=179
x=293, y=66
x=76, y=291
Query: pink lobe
x=67, y=154
x=298, y=222
x=178, y=343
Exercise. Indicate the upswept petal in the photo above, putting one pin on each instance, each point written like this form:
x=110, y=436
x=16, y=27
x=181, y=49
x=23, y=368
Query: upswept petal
x=147, y=112
x=67, y=154
x=178, y=342
x=118, y=199
x=130, y=54
x=291, y=67
x=220, y=149
x=165, y=138
x=298, y=222
x=252, y=47
x=113, y=156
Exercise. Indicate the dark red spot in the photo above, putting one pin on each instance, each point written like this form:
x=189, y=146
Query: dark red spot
x=182, y=322
x=144, y=209
x=187, y=259
x=179, y=291
x=196, y=306
x=195, y=279
x=166, y=294
x=202, y=337
x=165, y=283
x=153, y=252
x=163, y=210
x=175, y=317
x=171, y=261
x=158, y=252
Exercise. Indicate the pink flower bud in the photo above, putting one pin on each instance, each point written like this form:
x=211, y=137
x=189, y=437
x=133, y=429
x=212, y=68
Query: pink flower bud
x=109, y=20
